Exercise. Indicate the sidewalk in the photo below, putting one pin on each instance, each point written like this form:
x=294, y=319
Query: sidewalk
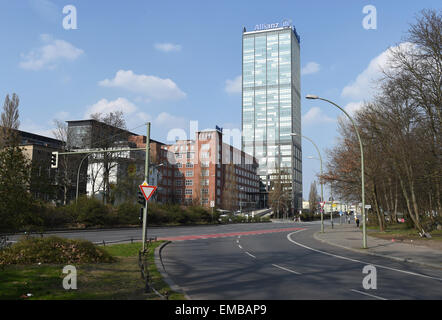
x=349, y=237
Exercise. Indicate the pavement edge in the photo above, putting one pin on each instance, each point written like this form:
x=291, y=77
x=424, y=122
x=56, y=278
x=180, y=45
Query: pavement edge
x=160, y=267
x=366, y=251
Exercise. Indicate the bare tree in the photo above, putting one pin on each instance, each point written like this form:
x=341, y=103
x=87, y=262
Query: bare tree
x=280, y=194
x=9, y=120
x=400, y=130
x=313, y=198
x=110, y=134
x=67, y=164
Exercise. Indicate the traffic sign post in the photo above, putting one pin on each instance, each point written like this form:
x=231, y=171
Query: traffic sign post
x=147, y=192
x=146, y=178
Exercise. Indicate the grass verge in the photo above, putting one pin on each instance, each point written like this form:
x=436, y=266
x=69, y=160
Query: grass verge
x=401, y=232
x=120, y=280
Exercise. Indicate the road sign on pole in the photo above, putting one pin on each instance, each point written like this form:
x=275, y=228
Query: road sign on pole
x=147, y=190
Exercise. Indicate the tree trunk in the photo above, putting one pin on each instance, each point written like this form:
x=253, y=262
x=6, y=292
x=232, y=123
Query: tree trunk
x=379, y=214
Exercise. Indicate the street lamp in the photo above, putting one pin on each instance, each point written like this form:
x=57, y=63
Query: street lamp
x=364, y=231
x=78, y=176
x=322, y=189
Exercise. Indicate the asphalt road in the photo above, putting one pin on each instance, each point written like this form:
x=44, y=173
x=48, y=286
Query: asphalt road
x=124, y=235
x=288, y=265
x=273, y=261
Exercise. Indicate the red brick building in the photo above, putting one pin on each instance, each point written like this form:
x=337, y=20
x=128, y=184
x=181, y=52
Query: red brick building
x=204, y=171
x=208, y=172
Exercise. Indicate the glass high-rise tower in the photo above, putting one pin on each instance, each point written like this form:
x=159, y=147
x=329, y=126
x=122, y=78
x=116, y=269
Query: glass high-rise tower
x=271, y=105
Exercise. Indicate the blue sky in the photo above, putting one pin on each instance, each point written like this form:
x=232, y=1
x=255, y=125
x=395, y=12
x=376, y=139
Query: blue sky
x=171, y=62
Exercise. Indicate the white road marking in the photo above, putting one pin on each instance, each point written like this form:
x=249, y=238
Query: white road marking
x=275, y=265
x=367, y=294
x=250, y=255
x=358, y=261
x=239, y=246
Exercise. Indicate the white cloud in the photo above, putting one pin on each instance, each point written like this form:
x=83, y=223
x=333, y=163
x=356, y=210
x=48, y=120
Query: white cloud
x=315, y=116
x=149, y=86
x=167, y=47
x=50, y=54
x=169, y=121
x=234, y=86
x=310, y=68
x=353, y=107
x=135, y=117
x=105, y=106
x=365, y=84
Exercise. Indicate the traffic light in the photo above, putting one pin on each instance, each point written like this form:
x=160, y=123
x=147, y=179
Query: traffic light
x=54, y=160
x=141, y=199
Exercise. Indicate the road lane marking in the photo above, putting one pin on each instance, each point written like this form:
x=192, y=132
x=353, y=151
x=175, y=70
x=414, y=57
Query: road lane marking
x=239, y=246
x=359, y=261
x=275, y=265
x=367, y=294
x=250, y=255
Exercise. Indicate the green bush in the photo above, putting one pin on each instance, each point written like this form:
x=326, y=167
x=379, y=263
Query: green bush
x=128, y=213
x=92, y=212
x=175, y=214
x=51, y=216
x=54, y=250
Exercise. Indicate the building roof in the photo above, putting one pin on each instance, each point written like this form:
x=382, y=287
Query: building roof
x=90, y=121
x=28, y=138
x=292, y=28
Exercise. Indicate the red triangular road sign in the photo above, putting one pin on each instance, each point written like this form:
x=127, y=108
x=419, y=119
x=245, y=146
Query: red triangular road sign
x=147, y=191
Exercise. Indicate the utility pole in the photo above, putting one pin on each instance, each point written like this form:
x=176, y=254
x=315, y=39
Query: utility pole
x=146, y=178
x=332, y=200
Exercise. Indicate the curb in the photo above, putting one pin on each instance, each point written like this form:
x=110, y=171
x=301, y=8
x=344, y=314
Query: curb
x=160, y=267
x=377, y=254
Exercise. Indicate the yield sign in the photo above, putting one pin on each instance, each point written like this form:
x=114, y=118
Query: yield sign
x=147, y=190
x=322, y=204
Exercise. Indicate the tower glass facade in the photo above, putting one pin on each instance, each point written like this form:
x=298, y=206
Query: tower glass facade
x=271, y=105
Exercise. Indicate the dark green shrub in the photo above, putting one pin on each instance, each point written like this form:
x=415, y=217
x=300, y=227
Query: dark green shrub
x=128, y=213
x=92, y=212
x=54, y=250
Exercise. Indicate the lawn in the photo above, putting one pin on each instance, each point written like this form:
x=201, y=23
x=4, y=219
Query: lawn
x=119, y=280
x=401, y=232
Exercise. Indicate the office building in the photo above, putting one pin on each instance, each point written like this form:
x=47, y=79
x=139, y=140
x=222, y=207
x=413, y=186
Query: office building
x=271, y=106
x=211, y=173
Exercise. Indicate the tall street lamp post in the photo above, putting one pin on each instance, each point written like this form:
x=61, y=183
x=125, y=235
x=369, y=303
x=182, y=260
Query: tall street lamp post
x=364, y=231
x=320, y=160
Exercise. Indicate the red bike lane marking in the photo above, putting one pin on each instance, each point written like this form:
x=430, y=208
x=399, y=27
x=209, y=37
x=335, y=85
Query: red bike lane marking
x=224, y=235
